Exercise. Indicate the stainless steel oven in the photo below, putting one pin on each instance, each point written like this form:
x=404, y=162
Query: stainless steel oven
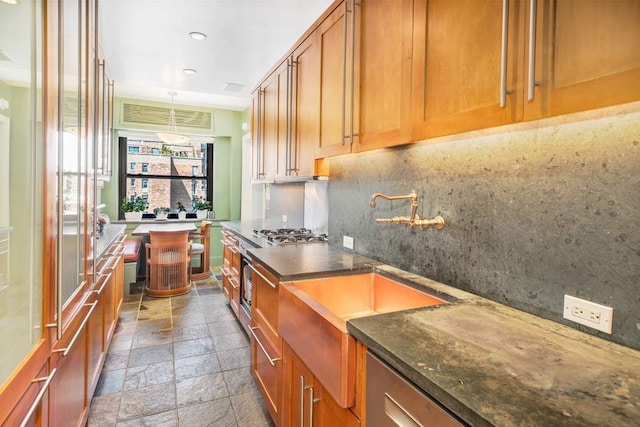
x=245, y=280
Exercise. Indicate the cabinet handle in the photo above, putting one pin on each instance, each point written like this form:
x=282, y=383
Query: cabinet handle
x=532, y=50
x=65, y=351
x=262, y=275
x=344, y=70
x=503, y=55
x=106, y=280
x=302, y=389
x=39, y=396
x=398, y=414
x=289, y=112
x=353, y=65
x=272, y=361
x=312, y=401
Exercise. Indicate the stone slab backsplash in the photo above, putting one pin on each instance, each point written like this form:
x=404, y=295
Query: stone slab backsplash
x=533, y=211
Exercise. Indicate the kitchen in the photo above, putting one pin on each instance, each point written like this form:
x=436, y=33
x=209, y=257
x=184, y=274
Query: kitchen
x=539, y=200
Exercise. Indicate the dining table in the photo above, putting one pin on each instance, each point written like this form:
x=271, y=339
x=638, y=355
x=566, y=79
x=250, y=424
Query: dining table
x=143, y=230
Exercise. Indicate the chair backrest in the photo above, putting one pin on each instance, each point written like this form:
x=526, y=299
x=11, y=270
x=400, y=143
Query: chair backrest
x=168, y=239
x=205, y=228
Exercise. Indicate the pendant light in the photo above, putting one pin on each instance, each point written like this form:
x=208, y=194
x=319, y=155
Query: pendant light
x=172, y=136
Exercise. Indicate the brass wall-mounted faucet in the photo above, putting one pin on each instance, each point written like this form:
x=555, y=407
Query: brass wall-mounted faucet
x=414, y=220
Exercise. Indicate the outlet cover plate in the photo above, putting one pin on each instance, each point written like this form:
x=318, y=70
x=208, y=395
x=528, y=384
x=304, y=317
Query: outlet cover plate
x=347, y=242
x=588, y=313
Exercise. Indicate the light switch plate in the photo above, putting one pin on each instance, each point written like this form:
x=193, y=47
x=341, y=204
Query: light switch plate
x=588, y=313
x=347, y=242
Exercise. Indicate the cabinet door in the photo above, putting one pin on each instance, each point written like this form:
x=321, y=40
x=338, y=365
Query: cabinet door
x=282, y=81
x=459, y=65
x=301, y=382
x=383, y=59
x=305, y=111
x=266, y=369
x=256, y=134
x=587, y=55
x=264, y=304
x=334, y=44
x=270, y=120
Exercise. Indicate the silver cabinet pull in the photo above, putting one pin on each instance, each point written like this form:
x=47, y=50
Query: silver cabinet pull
x=302, y=389
x=532, y=50
x=65, y=351
x=262, y=275
x=504, y=53
x=344, y=70
x=106, y=280
x=353, y=66
x=312, y=401
x=398, y=414
x=39, y=396
x=272, y=360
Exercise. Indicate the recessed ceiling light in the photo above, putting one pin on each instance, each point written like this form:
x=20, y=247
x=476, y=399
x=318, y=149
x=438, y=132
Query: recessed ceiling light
x=189, y=71
x=10, y=1
x=197, y=36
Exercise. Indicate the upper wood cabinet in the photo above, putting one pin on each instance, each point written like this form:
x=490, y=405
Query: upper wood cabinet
x=334, y=38
x=482, y=64
x=287, y=105
x=298, y=158
x=365, y=76
x=586, y=55
x=382, y=61
x=466, y=65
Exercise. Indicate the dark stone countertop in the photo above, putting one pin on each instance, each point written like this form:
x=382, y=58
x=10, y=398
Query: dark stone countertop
x=490, y=364
x=496, y=366
x=310, y=260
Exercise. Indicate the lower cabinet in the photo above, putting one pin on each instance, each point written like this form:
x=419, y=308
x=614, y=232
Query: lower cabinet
x=306, y=402
x=393, y=401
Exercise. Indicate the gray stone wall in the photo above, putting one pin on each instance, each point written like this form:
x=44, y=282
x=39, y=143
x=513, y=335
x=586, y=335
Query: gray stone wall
x=533, y=211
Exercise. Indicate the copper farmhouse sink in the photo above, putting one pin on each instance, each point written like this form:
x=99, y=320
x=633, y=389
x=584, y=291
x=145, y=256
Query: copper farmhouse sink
x=313, y=318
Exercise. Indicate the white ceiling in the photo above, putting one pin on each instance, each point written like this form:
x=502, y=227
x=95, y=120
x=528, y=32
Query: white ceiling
x=146, y=45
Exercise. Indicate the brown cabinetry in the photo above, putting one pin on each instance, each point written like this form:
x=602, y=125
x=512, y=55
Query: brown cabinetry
x=483, y=64
x=585, y=54
x=231, y=259
x=266, y=344
x=307, y=403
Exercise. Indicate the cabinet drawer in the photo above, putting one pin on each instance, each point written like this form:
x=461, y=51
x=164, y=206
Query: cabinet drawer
x=266, y=368
x=392, y=401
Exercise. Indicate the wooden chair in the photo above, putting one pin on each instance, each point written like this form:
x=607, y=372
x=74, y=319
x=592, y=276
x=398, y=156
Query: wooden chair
x=200, y=248
x=168, y=263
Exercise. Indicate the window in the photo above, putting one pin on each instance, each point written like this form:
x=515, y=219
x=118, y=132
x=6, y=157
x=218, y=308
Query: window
x=182, y=174
x=155, y=151
x=132, y=166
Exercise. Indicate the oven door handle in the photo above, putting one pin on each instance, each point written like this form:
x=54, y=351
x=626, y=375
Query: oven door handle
x=263, y=276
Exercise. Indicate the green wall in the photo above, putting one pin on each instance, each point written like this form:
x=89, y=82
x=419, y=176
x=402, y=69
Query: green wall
x=227, y=170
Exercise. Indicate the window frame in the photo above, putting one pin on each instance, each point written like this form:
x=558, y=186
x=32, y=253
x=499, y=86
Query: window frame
x=125, y=175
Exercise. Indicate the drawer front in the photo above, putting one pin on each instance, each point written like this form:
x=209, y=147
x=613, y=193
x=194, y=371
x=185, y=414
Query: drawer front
x=392, y=401
x=264, y=303
x=266, y=368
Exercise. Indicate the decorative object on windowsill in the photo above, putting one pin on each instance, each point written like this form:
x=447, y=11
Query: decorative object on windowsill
x=133, y=207
x=172, y=136
x=182, y=211
x=161, y=212
x=202, y=208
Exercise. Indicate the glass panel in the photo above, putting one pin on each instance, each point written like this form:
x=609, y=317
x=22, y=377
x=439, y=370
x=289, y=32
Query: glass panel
x=167, y=192
x=74, y=156
x=20, y=184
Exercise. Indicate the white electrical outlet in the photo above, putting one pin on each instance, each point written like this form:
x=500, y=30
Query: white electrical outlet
x=347, y=242
x=284, y=218
x=588, y=313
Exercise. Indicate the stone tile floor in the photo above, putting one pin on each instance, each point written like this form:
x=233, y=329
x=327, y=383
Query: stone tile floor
x=180, y=361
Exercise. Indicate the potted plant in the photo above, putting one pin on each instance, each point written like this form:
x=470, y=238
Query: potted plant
x=161, y=212
x=133, y=207
x=182, y=211
x=202, y=207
